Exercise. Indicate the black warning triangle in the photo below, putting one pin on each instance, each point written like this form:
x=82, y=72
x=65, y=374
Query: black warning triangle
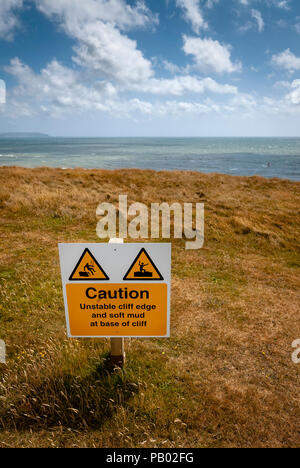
x=143, y=269
x=88, y=269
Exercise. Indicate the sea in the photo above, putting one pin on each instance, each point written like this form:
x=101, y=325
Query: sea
x=267, y=157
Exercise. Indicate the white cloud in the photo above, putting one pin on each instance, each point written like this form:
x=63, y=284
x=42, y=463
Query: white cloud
x=181, y=85
x=175, y=69
x=104, y=49
x=101, y=47
x=281, y=84
x=112, y=64
x=63, y=86
x=258, y=18
x=211, y=3
x=287, y=60
x=58, y=88
x=294, y=96
x=210, y=55
x=2, y=92
x=111, y=55
x=178, y=108
x=283, y=4
x=57, y=91
x=288, y=104
x=244, y=2
x=16, y=109
x=8, y=18
x=72, y=13
x=193, y=14
x=245, y=101
x=256, y=21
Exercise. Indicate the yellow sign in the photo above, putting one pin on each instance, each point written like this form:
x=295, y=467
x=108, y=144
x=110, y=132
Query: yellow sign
x=135, y=310
x=143, y=269
x=88, y=269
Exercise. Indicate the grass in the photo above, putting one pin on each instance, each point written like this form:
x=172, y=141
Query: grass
x=225, y=378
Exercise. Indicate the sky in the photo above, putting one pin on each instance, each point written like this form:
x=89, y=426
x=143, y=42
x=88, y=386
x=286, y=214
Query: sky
x=150, y=67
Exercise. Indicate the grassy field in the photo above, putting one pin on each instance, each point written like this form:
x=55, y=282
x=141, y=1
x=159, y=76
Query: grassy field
x=225, y=378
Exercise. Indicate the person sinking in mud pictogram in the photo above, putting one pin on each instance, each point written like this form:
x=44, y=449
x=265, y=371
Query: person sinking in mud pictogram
x=88, y=270
x=142, y=267
x=143, y=273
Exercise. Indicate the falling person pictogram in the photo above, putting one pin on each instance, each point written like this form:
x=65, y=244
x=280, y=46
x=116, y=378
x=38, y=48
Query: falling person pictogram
x=89, y=270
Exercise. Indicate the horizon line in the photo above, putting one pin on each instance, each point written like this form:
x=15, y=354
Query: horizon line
x=141, y=136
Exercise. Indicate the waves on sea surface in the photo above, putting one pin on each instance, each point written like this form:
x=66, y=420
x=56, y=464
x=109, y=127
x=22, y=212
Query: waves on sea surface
x=267, y=157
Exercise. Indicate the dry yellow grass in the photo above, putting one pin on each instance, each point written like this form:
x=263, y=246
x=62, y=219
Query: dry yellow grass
x=224, y=379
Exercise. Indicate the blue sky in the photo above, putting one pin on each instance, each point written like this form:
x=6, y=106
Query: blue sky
x=150, y=68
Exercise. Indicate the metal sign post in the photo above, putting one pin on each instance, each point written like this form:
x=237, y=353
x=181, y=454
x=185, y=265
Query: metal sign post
x=117, y=345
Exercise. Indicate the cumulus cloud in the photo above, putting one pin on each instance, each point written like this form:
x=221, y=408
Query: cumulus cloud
x=210, y=55
x=288, y=104
x=211, y=3
x=294, y=96
x=181, y=85
x=177, y=108
x=96, y=25
x=245, y=101
x=58, y=90
x=287, y=60
x=8, y=18
x=58, y=87
x=111, y=66
x=193, y=13
x=72, y=13
x=283, y=4
x=104, y=49
x=101, y=46
x=63, y=86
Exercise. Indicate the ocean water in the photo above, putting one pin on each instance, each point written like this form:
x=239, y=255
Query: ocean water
x=267, y=157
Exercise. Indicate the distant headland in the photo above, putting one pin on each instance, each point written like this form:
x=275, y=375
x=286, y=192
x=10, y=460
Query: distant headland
x=23, y=135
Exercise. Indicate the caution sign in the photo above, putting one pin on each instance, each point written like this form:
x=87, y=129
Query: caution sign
x=143, y=268
x=117, y=310
x=105, y=298
x=87, y=269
